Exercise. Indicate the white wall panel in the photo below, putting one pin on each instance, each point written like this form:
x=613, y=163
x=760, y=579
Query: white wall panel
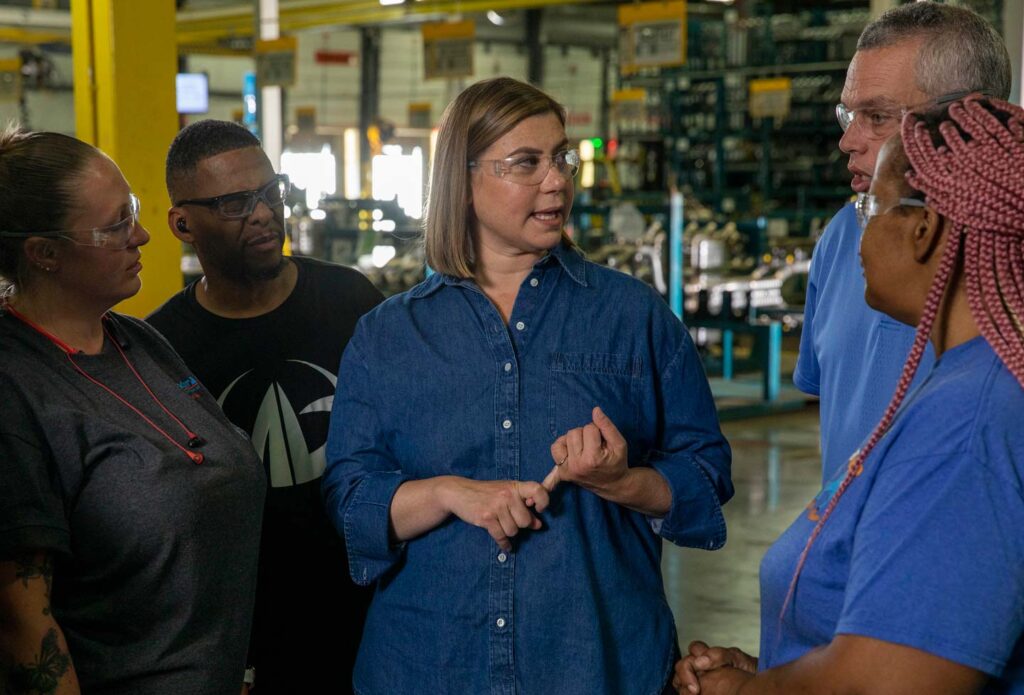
x=331, y=89
x=225, y=72
x=573, y=77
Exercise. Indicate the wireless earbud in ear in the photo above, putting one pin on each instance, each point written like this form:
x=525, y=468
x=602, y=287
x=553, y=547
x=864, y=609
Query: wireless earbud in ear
x=180, y=224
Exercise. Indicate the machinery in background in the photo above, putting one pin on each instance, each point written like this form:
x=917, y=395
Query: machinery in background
x=744, y=285
x=755, y=263
x=377, y=237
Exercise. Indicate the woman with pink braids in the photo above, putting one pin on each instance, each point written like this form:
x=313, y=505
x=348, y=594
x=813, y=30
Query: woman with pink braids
x=906, y=573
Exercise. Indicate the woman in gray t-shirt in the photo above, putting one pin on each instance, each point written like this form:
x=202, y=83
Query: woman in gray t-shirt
x=129, y=506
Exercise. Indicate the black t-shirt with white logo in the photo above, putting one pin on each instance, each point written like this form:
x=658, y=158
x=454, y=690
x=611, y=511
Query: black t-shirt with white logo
x=275, y=376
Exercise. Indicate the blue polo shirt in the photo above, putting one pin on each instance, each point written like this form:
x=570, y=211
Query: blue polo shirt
x=435, y=383
x=851, y=356
x=925, y=549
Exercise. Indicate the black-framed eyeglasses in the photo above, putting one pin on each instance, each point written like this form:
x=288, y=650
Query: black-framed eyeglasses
x=880, y=123
x=530, y=169
x=113, y=236
x=241, y=204
x=867, y=206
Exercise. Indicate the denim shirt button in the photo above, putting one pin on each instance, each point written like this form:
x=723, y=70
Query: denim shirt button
x=500, y=622
x=502, y=557
x=507, y=424
x=508, y=366
x=534, y=282
x=520, y=325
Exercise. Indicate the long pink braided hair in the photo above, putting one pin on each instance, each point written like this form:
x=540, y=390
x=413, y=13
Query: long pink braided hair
x=968, y=160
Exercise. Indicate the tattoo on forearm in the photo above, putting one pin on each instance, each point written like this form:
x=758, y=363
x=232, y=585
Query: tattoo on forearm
x=44, y=676
x=31, y=567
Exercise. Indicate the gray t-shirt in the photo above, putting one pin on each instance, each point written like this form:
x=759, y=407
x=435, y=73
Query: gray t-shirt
x=155, y=555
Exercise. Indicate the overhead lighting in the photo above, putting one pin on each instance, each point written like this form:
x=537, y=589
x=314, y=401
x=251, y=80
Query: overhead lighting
x=386, y=3
x=495, y=18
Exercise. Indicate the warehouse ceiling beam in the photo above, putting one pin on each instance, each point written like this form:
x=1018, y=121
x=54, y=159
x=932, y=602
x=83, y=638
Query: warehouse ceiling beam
x=211, y=26
x=24, y=25
x=32, y=36
x=211, y=31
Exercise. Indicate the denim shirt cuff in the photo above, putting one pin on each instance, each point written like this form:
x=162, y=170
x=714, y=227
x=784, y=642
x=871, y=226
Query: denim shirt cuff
x=368, y=527
x=695, y=518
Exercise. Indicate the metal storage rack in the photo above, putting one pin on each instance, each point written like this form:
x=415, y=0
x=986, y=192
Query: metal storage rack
x=788, y=168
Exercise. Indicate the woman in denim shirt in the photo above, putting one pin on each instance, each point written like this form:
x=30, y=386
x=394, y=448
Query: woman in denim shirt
x=512, y=438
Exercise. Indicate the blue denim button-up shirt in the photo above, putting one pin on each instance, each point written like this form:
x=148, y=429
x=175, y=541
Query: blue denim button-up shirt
x=435, y=383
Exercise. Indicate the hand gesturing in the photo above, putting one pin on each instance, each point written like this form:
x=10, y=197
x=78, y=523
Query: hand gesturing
x=592, y=456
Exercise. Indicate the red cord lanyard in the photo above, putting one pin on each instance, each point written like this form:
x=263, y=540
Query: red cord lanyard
x=194, y=440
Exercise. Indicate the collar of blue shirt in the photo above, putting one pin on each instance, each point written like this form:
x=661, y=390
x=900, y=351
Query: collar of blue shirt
x=570, y=258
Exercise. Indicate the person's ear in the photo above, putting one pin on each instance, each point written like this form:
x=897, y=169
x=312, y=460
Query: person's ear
x=928, y=234
x=178, y=222
x=43, y=253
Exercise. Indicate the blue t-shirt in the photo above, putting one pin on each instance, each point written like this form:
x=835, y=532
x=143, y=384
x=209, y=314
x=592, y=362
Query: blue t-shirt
x=925, y=548
x=851, y=356
x=434, y=383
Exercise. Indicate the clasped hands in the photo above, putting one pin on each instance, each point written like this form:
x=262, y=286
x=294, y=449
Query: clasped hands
x=593, y=456
x=713, y=670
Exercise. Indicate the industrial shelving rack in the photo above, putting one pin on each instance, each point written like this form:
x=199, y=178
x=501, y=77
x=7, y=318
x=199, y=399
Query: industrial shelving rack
x=785, y=168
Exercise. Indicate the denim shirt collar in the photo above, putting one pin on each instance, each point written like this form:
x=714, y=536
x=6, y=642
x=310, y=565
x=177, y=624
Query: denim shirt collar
x=570, y=258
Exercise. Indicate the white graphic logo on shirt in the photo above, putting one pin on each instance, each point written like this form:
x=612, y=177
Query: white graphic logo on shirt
x=277, y=434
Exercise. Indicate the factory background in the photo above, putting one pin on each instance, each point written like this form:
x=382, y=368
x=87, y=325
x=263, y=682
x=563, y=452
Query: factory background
x=707, y=133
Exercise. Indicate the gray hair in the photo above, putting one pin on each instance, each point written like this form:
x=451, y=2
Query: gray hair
x=961, y=52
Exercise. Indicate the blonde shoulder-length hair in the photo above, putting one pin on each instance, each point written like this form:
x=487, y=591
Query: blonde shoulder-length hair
x=478, y=117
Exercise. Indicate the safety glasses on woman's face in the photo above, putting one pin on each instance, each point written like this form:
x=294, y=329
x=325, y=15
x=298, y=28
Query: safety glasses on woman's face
x=114, y=236
x=232, y=206
x=867, y=207
x=529, y=169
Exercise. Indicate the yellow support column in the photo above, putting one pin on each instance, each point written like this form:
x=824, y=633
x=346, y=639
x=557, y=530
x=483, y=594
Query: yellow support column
x=125, y=59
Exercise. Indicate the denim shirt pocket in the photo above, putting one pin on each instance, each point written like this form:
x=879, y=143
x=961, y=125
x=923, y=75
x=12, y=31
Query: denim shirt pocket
x=578, y=381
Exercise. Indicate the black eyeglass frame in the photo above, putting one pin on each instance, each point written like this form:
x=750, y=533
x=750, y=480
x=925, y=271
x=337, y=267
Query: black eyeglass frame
x=254, y=196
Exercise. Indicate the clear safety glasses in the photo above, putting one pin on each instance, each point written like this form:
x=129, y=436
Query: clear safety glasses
x=530, y=169
x=113, y=236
